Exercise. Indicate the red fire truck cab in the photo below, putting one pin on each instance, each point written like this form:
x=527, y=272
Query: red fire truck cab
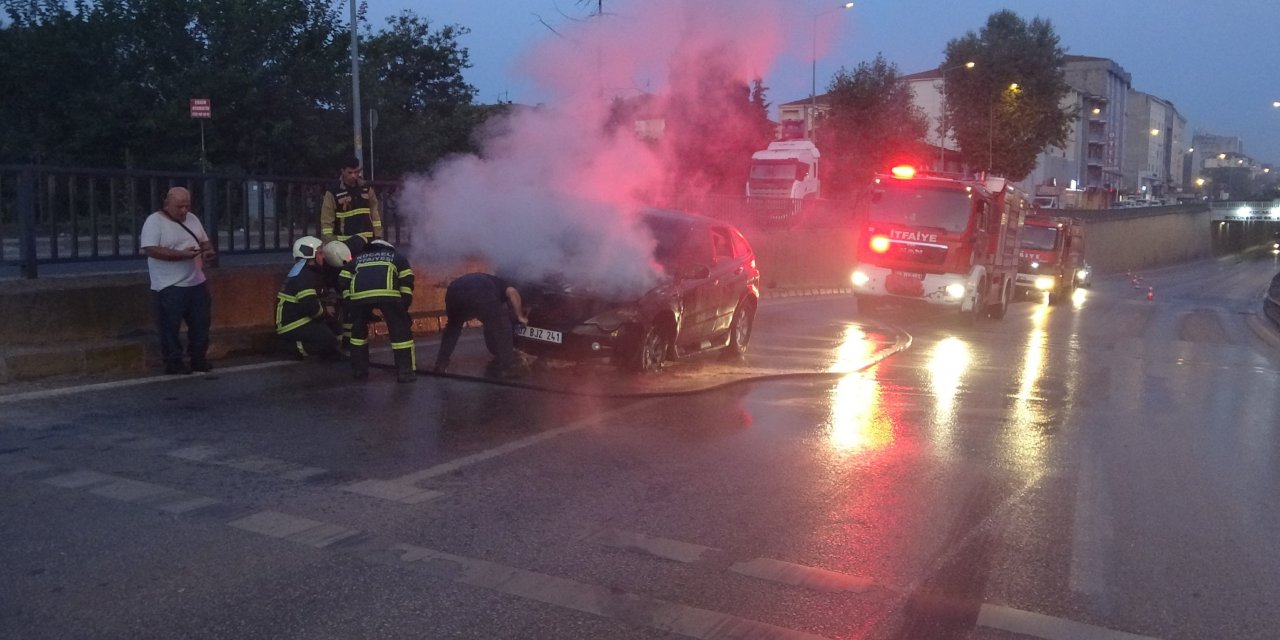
x=1052, y=256
x=941, y=241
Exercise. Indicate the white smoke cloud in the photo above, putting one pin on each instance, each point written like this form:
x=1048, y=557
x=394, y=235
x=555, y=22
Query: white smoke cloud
x=555, y=189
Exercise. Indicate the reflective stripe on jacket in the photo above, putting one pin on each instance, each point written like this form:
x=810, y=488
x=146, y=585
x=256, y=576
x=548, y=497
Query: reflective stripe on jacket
x=298, y=301
x=377, y=274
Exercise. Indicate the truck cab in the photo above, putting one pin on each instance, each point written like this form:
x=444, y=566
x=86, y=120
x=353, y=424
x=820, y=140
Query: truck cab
x=941, y=241
x=1051, y=256
x=787, y=169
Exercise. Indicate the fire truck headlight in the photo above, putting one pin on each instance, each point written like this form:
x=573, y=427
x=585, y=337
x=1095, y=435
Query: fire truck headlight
x=1044, y=283
x=1082, y=274
x=859, y=279
x=956, y=290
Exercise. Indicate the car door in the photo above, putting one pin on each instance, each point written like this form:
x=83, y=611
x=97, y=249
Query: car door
x=728, y=277
x=699, y=296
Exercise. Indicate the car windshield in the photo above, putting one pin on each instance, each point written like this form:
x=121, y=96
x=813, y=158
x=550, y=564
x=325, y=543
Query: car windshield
x=777, y=170
x=937, y=208
x=670, y=236
x=1039, y=238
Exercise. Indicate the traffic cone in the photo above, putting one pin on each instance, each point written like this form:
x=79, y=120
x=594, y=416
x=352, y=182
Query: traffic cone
x=1151, y=293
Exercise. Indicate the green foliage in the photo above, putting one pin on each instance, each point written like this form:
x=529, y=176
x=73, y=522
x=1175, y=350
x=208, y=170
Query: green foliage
x=872, y=123
x=997, y=127
x=107, y=83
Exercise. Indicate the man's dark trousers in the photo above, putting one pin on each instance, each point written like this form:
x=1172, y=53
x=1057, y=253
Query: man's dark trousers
x=173, y=307
x=468, y=299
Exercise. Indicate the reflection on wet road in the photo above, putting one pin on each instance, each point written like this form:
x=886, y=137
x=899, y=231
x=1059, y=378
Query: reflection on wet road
x=1105, y=468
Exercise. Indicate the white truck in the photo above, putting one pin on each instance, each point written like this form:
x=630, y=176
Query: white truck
x=787, y=169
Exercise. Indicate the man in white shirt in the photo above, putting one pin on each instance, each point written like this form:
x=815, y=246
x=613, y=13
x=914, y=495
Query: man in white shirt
x=177, y=247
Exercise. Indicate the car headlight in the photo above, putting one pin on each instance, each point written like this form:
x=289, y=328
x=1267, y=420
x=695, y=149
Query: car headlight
x=956, y=290
x=859, y=278
x=610, y=320
x=1044, y=283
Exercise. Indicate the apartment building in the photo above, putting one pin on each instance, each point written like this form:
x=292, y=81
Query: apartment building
x=1154, y=145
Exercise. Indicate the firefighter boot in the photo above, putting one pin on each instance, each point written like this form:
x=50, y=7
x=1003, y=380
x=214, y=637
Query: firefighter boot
x=360, y=363
x=404, y=365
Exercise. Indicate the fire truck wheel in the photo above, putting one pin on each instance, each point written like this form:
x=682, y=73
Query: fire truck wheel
x=979, y=305
x=999, y=309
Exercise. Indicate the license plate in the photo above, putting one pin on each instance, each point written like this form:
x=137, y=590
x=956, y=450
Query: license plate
x=534, y=333
x=909, y=274
x=903, y=285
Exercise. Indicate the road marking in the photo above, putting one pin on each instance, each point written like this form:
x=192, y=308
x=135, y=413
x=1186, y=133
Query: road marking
x=393, y=491
x=1047, y=627
x=516, y=445
x=300, y=530
x=253, y=464
x=767, y=569
x=1091, y=531
x=131, y=491
x=601, y=601
x=134, y=382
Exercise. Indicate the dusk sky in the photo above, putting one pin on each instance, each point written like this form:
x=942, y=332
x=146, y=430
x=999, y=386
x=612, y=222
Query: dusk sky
x=1218, y=62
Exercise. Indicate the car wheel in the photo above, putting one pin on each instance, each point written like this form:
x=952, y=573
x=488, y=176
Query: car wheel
x=651, y=351
x=740, y=329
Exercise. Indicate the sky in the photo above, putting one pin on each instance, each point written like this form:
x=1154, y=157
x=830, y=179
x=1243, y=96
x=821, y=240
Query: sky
x=1217, y=62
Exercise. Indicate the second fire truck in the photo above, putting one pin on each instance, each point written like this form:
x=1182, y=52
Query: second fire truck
x=939, y=240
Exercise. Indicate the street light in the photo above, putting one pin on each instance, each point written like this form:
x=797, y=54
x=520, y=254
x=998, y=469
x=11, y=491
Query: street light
x=991, y=128
x=813, y=82
x=943, y=124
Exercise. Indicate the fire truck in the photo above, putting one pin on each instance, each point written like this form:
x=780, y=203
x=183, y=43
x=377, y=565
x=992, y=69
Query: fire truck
x=939, y=240
x=1052, y=256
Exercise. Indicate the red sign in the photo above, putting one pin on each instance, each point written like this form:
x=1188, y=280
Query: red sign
x=200, y=108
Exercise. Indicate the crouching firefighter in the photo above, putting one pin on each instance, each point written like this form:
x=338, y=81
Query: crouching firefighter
x=379, y=278
x=300, y=315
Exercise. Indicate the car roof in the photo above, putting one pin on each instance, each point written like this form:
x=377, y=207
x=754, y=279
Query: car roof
x=682, y=216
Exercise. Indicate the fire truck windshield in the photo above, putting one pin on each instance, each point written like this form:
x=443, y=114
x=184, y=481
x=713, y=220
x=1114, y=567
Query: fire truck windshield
x=1039, y=238
x=937, y=208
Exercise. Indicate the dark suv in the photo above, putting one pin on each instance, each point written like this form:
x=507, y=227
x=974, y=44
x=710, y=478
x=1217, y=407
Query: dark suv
x=707, y=300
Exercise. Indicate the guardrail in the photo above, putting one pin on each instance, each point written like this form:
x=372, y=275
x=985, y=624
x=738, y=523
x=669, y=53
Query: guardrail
x=55, y=215
x=1271, y=302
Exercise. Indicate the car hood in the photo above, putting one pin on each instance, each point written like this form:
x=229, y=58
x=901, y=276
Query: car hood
x=558, y=305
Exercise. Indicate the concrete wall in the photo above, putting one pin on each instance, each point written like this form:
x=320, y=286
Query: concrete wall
x=1118, y=241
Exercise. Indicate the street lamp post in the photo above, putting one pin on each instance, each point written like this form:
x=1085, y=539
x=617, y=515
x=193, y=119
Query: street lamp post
x=943, y=125
x=813, y=81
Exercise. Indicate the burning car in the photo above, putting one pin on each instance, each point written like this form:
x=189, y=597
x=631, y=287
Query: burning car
x=705, y=301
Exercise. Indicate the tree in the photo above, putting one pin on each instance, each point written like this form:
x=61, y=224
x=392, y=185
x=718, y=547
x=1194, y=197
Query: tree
x=107, y=83
x=413, y=77
x=871, y=123
x=1007, y=109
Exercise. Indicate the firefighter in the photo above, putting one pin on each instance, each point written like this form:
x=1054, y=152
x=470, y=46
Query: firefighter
x=336, y=255
x=379, y=278
x=300, y=314
x=493, y=301
x=349, y=210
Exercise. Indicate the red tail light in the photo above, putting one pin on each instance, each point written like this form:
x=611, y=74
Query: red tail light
x=879, y=244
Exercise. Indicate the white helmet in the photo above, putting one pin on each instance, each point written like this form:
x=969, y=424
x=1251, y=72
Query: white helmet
x=336, y=253
x=306, y=247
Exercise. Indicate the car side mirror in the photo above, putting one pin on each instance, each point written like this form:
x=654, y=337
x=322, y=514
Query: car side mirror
x=695, y=272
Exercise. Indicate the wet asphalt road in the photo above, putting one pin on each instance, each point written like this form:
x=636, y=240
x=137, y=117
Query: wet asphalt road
x=1106, y=468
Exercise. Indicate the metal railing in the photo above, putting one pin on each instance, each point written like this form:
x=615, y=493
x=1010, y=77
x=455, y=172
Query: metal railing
x=55, y=215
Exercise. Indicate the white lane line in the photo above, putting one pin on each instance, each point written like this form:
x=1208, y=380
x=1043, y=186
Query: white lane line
x=312, y=533
x=131, y=491
x=393, y=491
x=516, y=445
x=604, y=602
x=767, y=569
x=253, y=464
x=134, y=382
x=1047, y=627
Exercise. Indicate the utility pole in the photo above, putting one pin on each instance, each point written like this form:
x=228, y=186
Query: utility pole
x=355, y=86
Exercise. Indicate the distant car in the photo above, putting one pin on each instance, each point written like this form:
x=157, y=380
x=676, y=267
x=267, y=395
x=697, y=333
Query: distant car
x=706, y=301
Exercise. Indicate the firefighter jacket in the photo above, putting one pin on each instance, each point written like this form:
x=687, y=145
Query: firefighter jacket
x=350, y=211
x=298, y=301
x=377, y=275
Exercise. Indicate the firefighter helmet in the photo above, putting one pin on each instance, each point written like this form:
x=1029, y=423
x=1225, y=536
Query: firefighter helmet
x=306, y=247
x=336, y=253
